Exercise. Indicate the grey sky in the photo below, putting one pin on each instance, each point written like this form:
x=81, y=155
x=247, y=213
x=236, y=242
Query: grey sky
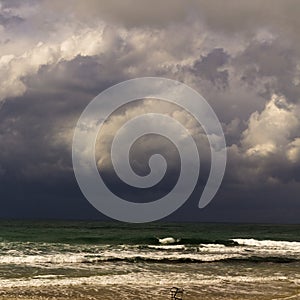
x=242, y=56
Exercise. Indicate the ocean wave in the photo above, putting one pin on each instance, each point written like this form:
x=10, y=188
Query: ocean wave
x=269, y=244
x=71, y=259
x=178, y=260
x=247, y=250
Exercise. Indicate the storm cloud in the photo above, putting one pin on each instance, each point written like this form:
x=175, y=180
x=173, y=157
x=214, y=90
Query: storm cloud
x=243, y=57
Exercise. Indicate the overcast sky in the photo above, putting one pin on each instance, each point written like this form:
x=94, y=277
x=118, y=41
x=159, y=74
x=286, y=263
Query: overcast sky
x=242, y=56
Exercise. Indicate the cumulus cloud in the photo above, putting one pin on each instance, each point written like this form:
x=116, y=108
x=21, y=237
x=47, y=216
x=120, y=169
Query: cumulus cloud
x=143, y=107
x=293, y=152
x=15, y=68
x=269, y=148
x=272, y=129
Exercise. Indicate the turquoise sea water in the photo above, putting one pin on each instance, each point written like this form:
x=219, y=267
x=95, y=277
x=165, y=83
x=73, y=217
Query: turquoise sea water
x=208, y=261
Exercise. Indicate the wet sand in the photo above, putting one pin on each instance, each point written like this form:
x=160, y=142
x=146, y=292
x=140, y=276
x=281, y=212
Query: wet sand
x=114, y=292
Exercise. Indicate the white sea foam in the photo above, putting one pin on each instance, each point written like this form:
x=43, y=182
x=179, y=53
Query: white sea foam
x=167, y=247
x=271, y=248
x=269, y=244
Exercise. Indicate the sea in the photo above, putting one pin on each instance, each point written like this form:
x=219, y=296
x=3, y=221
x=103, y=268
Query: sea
x=110, y=260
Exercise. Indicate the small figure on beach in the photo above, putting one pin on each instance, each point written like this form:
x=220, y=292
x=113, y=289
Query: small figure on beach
x=176, y=293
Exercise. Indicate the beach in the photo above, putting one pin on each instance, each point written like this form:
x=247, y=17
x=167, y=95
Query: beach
x=96, y=260
x=226, y=287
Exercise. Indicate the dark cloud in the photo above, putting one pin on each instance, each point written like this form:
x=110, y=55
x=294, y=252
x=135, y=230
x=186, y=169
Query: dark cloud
x=129, y=12
x=276, y=63
x=227, y=17
x=243, y=57
x=10, y=20
x=209, y=67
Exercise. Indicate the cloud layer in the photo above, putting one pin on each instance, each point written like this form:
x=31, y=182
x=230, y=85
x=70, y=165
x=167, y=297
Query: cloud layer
x=243, y=57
